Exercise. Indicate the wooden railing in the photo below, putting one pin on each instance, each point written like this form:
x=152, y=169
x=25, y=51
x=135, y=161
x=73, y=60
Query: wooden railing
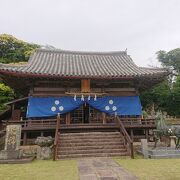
x=56, y=138
x=41, y=123
x=51, y=123
x=127, y=140
x=138, y=122
x=47, y=123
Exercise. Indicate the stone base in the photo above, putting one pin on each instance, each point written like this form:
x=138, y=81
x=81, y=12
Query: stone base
x=15, y=154
x=44, y=153
x=165, y=152
x=29, y=150
x=17, y=161
x=172, y=141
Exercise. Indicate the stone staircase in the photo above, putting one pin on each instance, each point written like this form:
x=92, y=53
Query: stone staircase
x=90, y=144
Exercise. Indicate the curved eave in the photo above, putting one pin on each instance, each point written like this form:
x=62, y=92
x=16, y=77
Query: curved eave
x=50, y=76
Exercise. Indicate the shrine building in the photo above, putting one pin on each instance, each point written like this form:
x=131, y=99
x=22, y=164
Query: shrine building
x=75, y=93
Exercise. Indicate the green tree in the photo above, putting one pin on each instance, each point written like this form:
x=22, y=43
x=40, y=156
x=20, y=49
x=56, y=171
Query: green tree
x=158, y=96
x=14, y=50
x=6, y=94
x=166, y=96
x=174, y=104
x=170, y=59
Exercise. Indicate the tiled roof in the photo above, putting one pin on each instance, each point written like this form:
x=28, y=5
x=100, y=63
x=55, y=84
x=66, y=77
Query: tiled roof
x=62, y=63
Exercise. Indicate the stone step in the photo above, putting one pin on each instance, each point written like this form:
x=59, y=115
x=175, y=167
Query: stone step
x=94, y=136
x=92, y=155
x=100, y=143
x=89, y=140
x=91, y=151
x=90, y=134
x=91, y=144
x=85, y=147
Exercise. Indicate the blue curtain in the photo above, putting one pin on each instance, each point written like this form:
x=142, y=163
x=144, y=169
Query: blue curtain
x=51, y=106
x=130, y=105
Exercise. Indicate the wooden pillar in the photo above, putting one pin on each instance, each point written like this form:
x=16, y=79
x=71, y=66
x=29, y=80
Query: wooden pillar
x=147, y=134
x=13, y=106
x=24, y=138
x=104, y=117
x=68, y=118
x=132, y=134
x=12, y=109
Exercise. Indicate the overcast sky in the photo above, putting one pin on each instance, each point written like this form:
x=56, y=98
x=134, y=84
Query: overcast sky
x=141, y=26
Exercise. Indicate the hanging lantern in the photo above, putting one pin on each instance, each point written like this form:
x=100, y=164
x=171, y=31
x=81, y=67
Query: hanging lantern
x=75, y=97
x=95, y=97
x=89, y=97
x=82, y=97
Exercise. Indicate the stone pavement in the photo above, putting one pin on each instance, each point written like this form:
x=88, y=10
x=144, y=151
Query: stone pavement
x=102, y=169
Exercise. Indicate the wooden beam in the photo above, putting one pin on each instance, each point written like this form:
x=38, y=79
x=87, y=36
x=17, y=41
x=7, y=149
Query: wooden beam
x=46, y=89
x=48, y=94
x=85, y=94
x=122, y=93
x=119, y=89
x=15, y=101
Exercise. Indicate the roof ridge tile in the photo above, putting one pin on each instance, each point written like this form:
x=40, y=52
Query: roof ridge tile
x=81, y=52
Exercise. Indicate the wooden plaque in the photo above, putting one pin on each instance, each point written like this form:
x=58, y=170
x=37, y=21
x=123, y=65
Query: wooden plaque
x=85, y=85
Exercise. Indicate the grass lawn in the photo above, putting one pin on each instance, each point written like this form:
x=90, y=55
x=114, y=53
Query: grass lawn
x=145, y=169
x=153, y=169
x=40, y=170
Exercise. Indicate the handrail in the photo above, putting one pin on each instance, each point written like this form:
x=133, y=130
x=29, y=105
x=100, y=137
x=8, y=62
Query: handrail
x=56, y=137
x=127, y=139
